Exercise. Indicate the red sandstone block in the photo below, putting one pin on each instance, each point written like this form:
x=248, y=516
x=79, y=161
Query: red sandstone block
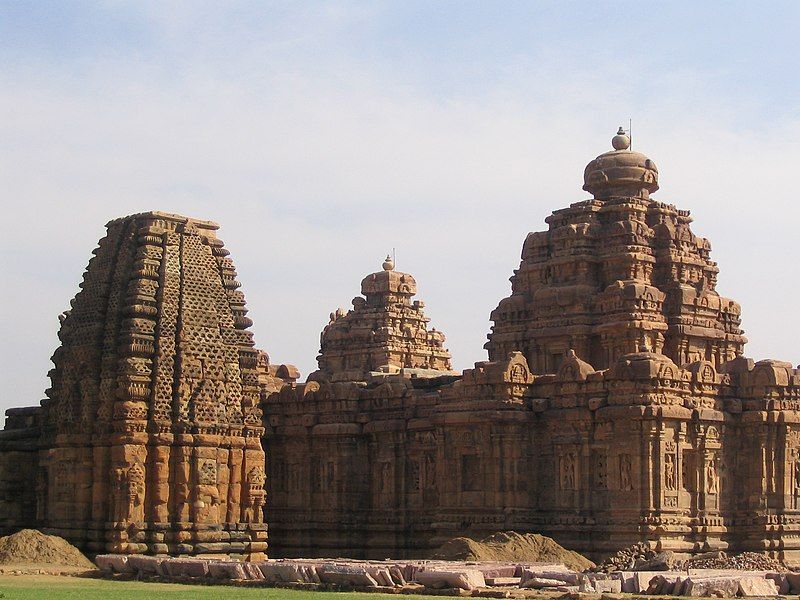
x=346, y=575
x=252, y=571
x=381, y=575
x=147, y=565
x=565, y=576
x=494, y=571
x=282, y=572
x=542, y=583
x=185, y=567
x=497, y=581
x=721, y=587
x=113, y=563
x=226, y=570
x=793, y=581
x=397, y=575
x=757, y=586
x=311, y=574
x=468, y=579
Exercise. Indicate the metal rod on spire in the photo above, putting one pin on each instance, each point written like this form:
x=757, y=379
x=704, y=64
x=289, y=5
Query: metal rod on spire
x=630, y=133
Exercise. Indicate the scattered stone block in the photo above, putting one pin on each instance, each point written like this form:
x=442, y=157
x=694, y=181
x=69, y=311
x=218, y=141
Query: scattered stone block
x=498, y=581
x=226, y=570
x=468, y=579
x=146, y=565
x=253, y=571
x=113, y=563
x=720, y=587
x=185, y=567
x=346, y=575
x=564, y=576
x=607, y=586
x=793, y=579
x=642, y=579
x=285, y=573
x=542, y=582
x=491, y=572
x=311, y=575
x=781, y=582
x=757, y=586
x=397, y=575
x=383, y=577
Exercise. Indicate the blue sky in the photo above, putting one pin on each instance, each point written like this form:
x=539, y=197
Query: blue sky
x=321, y=135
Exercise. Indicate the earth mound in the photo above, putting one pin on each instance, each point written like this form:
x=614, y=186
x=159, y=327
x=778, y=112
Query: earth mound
x=510, y=546
x=32, y=546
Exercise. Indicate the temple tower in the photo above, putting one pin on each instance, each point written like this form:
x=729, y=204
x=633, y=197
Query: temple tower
x=616, y=274
x=384, y=332
x=151, y=436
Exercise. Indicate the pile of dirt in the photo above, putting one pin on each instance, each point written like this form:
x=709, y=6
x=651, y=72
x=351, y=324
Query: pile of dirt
x=31, y=546
x=510, y=546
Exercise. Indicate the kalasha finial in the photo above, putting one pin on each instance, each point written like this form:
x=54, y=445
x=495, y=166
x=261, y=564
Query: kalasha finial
x=388, y=264
x=621, y=141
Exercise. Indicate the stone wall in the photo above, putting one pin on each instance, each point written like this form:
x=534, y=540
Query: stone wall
x=19, y=447
x=687, y=458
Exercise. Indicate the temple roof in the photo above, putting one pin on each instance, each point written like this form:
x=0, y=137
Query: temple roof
x=388, y=281
x=385, y=332
x=621, y=172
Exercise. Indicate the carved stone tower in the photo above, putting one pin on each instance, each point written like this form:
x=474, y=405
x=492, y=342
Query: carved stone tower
x=614, y=275
x=152, y=432
x=384, y=332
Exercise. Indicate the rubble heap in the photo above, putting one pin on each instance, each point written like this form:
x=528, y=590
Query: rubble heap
x=746, y=561
x=627, y=558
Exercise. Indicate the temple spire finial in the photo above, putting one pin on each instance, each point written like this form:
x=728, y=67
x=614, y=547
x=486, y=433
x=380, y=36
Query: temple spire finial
x=388, y=264
x=621, y=141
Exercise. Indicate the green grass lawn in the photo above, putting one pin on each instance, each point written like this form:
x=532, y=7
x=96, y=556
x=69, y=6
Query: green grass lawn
x=28, y=587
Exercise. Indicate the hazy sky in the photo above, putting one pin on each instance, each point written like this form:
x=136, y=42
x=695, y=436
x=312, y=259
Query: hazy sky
x=322, y=135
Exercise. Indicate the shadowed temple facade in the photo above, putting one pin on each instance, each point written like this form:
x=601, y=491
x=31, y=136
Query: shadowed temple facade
x=616, y=405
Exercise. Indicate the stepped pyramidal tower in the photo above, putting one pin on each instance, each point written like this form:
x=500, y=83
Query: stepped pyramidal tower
x=614, y=275
x=151, y=433
x=384, y=332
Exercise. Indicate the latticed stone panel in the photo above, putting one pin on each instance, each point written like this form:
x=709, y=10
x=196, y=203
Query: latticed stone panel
x=145, y=448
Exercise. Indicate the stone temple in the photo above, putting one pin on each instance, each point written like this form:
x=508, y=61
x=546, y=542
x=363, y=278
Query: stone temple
x=616, y=405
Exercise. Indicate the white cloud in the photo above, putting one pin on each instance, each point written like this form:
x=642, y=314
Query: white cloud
x=316, y=170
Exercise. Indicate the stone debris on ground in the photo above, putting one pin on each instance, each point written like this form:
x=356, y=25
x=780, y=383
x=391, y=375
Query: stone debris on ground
x=510, y=546
x=448, y=577
x=640, y=557
x=424, y=574
x=746, y=561
x=32, y=547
